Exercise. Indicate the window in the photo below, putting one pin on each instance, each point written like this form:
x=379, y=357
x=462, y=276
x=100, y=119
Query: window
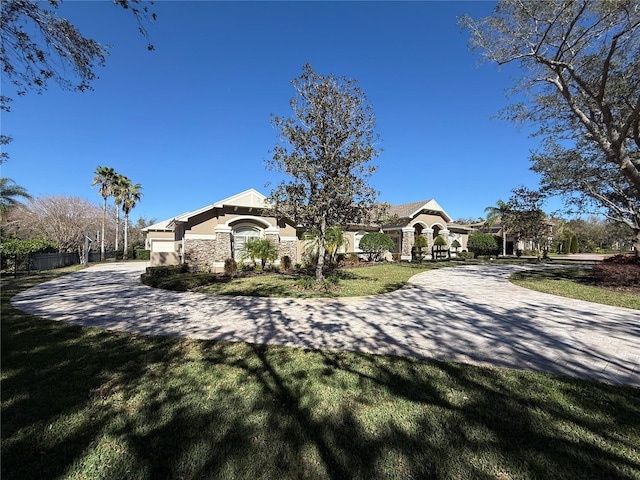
x=239, y=239
x=356, y=240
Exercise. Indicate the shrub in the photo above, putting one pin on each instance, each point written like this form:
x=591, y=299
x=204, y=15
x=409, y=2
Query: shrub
x=285, y=262
x=351, y=259
x=622, y=258
x=439, y=241
x=574, y=244
x=375, y=244
x=464, y=254
x=230, y=267
x=483, y=244
x=617, y=274
x=455, y=244
x=167, y=270
x=419, y=245
x=262, y=249
x=142, y=254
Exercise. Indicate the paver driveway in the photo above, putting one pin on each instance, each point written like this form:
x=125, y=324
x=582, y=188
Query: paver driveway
x=470, y=314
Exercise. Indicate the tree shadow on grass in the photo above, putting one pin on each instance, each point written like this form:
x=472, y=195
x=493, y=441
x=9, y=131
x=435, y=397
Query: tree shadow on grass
x=90, y=403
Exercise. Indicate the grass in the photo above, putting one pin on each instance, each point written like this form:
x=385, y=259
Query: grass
x=569, y=282
x=83, y=403
x=351, y=282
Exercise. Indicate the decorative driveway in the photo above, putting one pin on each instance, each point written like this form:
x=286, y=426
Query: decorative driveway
x=469, y=314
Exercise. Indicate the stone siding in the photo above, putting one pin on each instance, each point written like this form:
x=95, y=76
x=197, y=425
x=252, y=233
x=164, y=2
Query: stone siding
x=200, y=253
x=222, y=247
x=288, y=248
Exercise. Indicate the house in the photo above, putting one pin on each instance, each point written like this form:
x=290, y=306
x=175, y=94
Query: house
x=512, y=241
x=206, y=237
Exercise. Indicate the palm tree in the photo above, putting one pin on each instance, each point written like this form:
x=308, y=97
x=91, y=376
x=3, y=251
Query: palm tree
x=104, y=180
x=131, y=194
x=493, y=214
x=334, y=241
x=8, y=191
x=117, y=199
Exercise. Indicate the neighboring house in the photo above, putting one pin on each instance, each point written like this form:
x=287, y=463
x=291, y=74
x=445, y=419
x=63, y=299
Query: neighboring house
x=208, y=236
x=513, y=241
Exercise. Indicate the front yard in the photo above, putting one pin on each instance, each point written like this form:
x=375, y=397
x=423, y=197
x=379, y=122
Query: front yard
x=87, y=403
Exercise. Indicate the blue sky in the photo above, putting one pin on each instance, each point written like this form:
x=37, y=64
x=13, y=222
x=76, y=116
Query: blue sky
x=190, y=120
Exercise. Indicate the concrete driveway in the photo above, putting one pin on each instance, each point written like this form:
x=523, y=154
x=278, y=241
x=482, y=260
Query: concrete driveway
x=470, y=314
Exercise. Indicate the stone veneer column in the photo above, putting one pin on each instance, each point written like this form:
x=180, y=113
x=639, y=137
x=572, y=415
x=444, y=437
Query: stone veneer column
x=273, y=235
x=444, y=233
x=428, y=234
x=223, y=243
x=408, y=239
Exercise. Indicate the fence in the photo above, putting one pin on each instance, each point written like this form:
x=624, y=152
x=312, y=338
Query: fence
x=47, y=261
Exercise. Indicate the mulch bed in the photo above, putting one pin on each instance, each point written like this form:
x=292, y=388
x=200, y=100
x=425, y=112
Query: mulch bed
x=620, y=273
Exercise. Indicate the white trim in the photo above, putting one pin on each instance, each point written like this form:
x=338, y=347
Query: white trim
x=405, y=257
x=272, y=231
x=288, y=239
x=223, y=229
x=433, y=206
x=231, y=201
x=199, y=236
x=245, y=218
x=408, y=230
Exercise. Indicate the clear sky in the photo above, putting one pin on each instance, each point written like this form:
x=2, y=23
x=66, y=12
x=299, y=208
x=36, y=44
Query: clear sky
x=190, y=121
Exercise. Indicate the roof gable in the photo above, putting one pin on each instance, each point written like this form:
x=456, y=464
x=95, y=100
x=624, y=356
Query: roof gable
x=249, y=198
x=410, y=210
x=159, y=226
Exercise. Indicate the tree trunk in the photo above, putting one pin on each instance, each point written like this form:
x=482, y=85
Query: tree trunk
x=635, y=242
x=504, y=242
x=126, y=237
x=321, y=252
x=104, y=220
x=117, y=225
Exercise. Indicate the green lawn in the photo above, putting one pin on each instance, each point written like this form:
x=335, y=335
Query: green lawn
x=350, y=282
x=566, y=282
x=84, y=403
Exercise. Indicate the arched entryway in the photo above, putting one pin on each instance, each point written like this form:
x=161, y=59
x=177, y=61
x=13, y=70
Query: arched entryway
x=240, y=235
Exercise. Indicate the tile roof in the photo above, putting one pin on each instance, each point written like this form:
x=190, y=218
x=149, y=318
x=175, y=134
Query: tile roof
x=405, y=210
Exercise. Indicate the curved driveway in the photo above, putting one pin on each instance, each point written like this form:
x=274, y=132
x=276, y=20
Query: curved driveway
x=470, y=314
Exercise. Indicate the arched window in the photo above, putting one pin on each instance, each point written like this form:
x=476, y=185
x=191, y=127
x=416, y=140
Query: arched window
x=356, y=240
x=241, y=234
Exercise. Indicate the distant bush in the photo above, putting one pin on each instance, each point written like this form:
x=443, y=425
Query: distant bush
x=142, y=254
x=375, y=244
x=574, y=244
x=483, y=244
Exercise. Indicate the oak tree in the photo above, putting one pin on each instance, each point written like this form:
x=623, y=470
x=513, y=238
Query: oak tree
x=580, y=78
x=325, y=150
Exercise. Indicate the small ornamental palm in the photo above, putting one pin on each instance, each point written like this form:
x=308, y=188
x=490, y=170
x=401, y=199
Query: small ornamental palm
x=260, y=248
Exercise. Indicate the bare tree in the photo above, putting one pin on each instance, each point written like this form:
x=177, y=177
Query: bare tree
x=61, y=219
